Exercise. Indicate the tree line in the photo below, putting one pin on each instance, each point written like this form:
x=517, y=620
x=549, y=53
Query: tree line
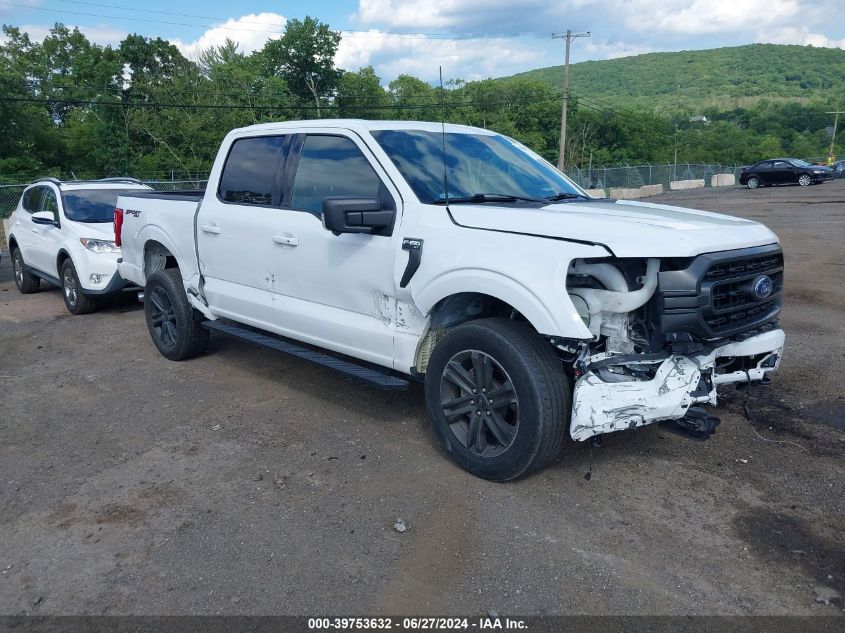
x=70, y=107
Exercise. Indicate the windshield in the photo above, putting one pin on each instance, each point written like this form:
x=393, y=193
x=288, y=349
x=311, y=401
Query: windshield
x=92, y=205
x=475, y=164
x=799, y=163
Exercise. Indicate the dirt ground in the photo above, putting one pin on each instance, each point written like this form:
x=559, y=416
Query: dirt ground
x=246, y=481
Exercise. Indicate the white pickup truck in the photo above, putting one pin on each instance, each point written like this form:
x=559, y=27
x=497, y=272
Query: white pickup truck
x=398, y=251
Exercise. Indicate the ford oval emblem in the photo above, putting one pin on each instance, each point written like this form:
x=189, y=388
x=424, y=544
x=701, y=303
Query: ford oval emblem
x=762, y=287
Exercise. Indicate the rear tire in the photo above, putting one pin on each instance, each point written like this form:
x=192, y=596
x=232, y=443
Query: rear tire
x=170, y=318
x=75, y=302
x=498, y=398
x=26, y=283
x=753, y=182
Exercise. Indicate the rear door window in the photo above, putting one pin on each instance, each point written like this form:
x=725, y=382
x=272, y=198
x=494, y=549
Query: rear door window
x=333, y=166
x=253, y=171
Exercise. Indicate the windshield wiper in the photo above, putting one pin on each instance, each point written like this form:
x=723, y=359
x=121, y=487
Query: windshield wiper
x=480, y=198
x=564, y=196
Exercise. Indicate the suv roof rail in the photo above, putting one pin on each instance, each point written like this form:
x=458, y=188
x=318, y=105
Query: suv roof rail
x=48, y=179
x=121, y=179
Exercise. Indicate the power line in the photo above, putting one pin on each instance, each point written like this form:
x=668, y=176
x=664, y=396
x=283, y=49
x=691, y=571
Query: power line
x=344, y=33
x=226, y=106
x=591, y=104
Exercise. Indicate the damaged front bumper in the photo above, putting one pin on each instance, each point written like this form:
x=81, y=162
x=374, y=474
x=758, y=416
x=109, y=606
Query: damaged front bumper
x=680, y=382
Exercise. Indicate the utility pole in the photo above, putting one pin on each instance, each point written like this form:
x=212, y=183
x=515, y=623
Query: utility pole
x=569, y=36
x=833, y=136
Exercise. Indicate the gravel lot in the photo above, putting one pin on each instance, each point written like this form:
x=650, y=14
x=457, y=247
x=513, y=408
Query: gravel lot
x=245, y=481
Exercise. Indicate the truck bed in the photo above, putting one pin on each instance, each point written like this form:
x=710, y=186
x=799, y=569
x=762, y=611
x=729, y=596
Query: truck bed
x=192, y=195
x=157, y=222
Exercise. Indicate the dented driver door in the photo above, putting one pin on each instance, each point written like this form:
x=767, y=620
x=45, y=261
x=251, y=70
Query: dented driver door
x=331, y=290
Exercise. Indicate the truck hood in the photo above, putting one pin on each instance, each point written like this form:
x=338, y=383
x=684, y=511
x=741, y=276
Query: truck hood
x=629, y=228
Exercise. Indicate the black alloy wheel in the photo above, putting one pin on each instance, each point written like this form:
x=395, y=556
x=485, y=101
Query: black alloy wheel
x=479, y=403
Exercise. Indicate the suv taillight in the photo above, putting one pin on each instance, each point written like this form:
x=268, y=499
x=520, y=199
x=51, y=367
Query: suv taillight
x=118, y=225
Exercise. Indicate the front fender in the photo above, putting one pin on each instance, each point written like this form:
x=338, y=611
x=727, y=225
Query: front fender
x=554, y=316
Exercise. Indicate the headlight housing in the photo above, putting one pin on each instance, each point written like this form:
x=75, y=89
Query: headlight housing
x=99, y=246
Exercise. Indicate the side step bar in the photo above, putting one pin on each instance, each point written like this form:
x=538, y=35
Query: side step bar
x=374, y=377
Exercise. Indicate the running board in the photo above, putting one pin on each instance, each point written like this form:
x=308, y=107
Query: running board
x=374, y=377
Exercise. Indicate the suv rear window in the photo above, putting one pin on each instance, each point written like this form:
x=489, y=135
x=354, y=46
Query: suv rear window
x=251, y=171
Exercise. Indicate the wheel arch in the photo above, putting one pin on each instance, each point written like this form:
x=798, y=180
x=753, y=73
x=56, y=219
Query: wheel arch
x=157, y=256
x=61, y=256
x=496, y=291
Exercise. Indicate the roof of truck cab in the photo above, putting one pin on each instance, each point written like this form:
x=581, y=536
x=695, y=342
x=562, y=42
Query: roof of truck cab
x=363, y=125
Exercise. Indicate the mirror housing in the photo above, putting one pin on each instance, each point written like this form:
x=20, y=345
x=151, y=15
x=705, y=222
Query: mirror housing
x=347, y=214
x=44, y=217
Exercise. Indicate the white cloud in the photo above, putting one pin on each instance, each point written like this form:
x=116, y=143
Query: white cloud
x=399, y=13
x=11, y=9
x=619, y=27
x=800, y=35
x=421, y=56
x=693, y=17
x=102, y=34
x=250, y=31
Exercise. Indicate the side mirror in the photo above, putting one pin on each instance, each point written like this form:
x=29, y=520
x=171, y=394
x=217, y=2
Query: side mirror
x=44, y=217
x=342, y=214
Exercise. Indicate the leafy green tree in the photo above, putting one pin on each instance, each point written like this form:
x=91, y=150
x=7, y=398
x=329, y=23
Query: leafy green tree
x=360, y=95
x=304, y=58
x=769, y=147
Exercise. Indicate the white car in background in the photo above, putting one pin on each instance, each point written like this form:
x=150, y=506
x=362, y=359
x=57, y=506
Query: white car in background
x=63, y=233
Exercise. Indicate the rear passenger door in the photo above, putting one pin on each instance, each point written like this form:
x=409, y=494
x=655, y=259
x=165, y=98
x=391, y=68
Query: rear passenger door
x=764, y=172
x=24, y=230
x=234, y=227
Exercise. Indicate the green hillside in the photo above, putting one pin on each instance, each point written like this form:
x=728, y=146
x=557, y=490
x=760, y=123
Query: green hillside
x=730, y=77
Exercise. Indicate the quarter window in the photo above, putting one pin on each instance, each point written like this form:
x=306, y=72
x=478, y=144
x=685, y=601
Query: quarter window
x=332, y=166
x=252, y=171
x=32, y=199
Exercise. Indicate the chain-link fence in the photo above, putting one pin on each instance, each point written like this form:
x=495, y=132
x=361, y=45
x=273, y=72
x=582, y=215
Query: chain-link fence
x=10, y=194
x=595, y=177
x=639, y=175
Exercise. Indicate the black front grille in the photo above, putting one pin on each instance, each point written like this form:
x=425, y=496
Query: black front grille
x=737, y=293
x=751, y=265
x=713, y=297
x=741, y=317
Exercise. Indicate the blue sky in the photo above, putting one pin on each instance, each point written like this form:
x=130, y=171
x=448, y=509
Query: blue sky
x=471, y=39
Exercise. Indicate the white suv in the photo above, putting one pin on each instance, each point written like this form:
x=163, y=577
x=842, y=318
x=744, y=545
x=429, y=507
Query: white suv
x=63, y=233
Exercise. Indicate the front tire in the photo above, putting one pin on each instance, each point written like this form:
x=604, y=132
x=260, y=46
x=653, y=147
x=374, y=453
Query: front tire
x=805, y=180
x=498, y=398
x=75, y=302
x=26, y=283
x=170, y=318
x=753, y=182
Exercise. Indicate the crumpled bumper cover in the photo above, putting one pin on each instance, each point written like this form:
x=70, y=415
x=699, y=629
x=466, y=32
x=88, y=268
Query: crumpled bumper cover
x=603, y=407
